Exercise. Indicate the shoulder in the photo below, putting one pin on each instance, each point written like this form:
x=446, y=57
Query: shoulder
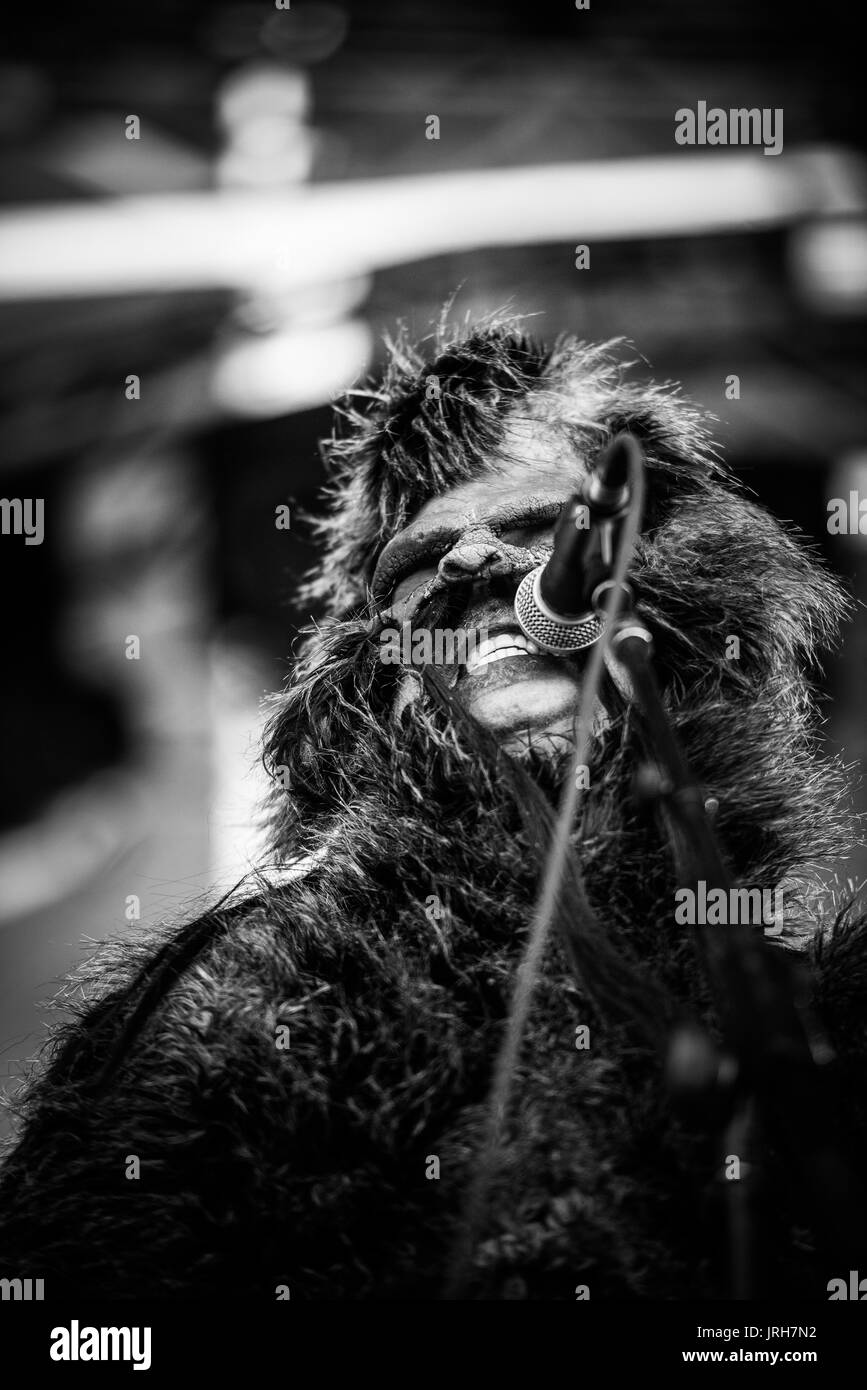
x=180, y=1090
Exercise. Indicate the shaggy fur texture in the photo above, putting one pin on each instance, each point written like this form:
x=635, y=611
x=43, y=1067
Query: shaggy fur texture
x=306, y=1166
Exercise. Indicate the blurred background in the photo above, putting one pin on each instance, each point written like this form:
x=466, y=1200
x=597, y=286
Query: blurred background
x=211, y=214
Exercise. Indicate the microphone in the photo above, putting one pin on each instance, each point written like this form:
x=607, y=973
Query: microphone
x=554, y=604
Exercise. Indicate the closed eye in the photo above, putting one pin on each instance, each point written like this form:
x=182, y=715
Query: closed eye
x=411, y=584
x=405, y=555
x=409, y=555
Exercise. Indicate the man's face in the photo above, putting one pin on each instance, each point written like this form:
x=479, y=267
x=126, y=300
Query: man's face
x=483, y=536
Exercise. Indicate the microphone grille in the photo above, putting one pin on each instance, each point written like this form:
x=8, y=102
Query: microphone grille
x=560, y=638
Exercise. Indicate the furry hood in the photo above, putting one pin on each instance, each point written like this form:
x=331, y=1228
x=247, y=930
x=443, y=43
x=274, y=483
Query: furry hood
x=711, y=565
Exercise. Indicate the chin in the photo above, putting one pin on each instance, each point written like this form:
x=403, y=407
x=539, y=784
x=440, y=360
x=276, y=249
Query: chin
x=537, y=710
x=526, y=711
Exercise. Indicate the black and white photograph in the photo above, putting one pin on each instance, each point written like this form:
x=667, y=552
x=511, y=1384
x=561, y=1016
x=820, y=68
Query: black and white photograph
x=434, y=548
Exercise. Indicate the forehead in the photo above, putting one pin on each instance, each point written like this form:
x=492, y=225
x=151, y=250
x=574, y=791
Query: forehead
x=533, y=461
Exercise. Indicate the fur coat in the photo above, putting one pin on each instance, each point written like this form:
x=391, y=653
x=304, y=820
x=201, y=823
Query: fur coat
x=302, y=1072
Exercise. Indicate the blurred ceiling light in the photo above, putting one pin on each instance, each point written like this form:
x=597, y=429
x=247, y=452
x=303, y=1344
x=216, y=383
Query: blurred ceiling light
x=263, y=112
x=263, y=90
x=270, y=307
x=280, y=162
x=90, y=152
x=290, y=370
x=265, y=137
x=352, y=227
x=829, y=265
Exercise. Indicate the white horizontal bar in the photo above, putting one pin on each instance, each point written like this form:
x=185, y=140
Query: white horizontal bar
x=328, y=231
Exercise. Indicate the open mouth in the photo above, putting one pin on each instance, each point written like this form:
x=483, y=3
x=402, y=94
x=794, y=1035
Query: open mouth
x=511, y=643
x=512, y=685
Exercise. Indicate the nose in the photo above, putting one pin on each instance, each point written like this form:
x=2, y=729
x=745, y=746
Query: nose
x=480, y=554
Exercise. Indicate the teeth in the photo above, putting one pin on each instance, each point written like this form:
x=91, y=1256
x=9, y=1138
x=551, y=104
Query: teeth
x=499, y=647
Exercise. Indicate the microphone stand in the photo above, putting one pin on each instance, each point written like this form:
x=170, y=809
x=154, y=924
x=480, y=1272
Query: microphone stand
x=780, y=1088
